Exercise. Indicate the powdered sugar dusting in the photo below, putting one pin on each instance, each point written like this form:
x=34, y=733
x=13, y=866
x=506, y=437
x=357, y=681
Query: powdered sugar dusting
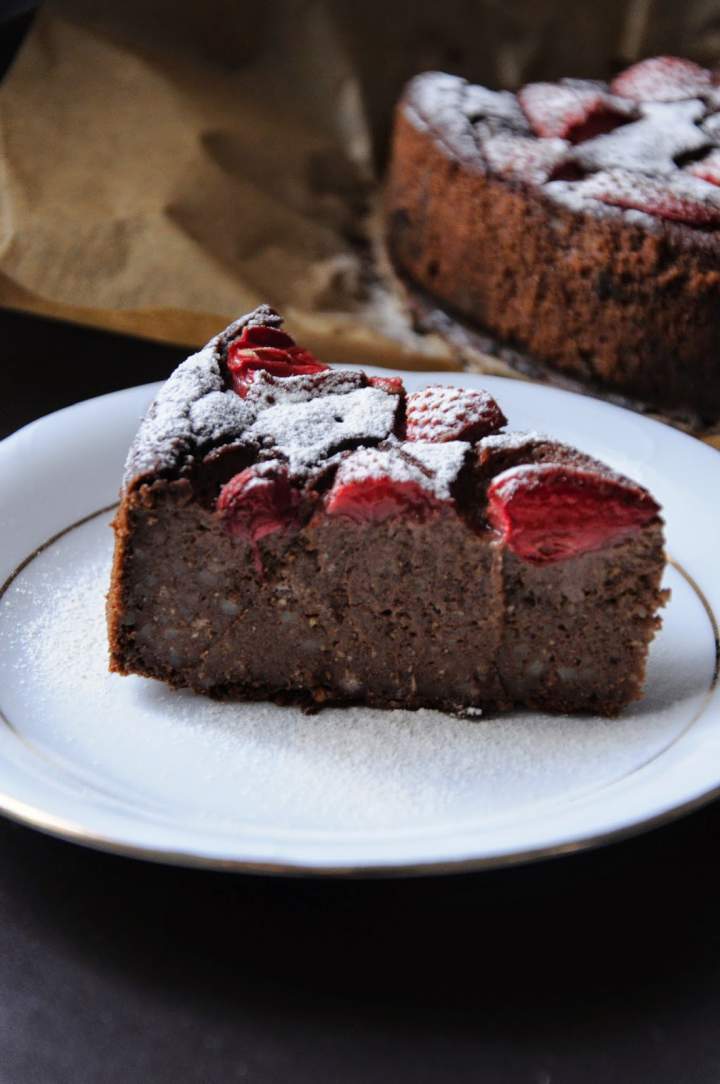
x=667, y=117
x=529, y=475
x=307, y=431
x=479, y=103
x=555, y=109
x=237, y=771
x=682, y=197
x=435, y=92
x=444, y=461
x=711, y=125
x=523, y=476
x=258, y=477
x=378, y=463
x=524, y=159
x=666, y=131
x=437, y=101
x=708, y=168
x=166, y=436
x=663, y=79
x=512, y=441
x=266, y=390
x=434, y=467
x=442, y=413
x=301, y=419
x=219, y=416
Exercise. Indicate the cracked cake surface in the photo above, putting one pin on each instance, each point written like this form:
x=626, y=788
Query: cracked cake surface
x=576, y=223
x=301, y=533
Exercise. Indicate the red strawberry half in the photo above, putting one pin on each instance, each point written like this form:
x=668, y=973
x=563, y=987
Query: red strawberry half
x=573, y=112
x=662, y=79
x=707, y=169
x=440, y=414
x=376, y=499
x=267, y=348
x=393, y=385
x=523, y=157
x=548, y=512
x=680, y=198
x=257, y=502
x=263, y=335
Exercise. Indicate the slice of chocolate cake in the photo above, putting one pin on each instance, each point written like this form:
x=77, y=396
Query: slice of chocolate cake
x=294, y=532
x=574, y=224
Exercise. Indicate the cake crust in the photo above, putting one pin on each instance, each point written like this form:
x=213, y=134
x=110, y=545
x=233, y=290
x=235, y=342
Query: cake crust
x=612, y=296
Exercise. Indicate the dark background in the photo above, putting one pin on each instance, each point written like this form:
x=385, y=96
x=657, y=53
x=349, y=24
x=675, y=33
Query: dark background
x=598, y=967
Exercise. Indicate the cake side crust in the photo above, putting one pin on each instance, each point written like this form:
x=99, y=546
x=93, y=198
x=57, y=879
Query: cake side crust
x=402, y=614
x=602, y=297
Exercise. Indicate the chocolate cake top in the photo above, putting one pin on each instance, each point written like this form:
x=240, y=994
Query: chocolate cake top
x=272, y=437
x=193, y=409
x=646, y=146
x=252, y=388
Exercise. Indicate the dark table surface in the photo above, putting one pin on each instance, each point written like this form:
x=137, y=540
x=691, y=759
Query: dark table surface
x=603, y=966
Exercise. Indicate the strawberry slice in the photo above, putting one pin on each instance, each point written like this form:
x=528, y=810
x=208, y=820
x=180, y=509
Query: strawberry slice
x=257, y=502
x=393, y=385
x=547, y=512
x=376, y=499
x=523, y=157
x=373, y=484
x=680, y=198
x=662, y=79
x=439, y=414
x=267, y=348
x=264, y=335
x=707, y=169
x=574, y=111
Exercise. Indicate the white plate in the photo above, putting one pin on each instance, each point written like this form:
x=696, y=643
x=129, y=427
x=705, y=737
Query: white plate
x=126, y=764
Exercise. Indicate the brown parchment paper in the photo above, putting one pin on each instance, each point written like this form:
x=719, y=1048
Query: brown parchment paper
x=165, y=165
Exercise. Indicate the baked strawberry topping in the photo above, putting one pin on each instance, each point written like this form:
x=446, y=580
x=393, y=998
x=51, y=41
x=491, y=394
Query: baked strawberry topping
x=439, y=414
x=264, y=335
x=376, y=499
x=257, y=502
x=662, y=79
x=399, y=479
x=267, y=348
x=632, y=141
x=524, y=158
x=393, y=385
x=547, y=512
x=573, y=111
x=707, y=169
x=681, y=198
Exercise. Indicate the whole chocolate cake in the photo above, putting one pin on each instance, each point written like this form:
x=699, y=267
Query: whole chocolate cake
x=576, y=223
x=294, y=532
